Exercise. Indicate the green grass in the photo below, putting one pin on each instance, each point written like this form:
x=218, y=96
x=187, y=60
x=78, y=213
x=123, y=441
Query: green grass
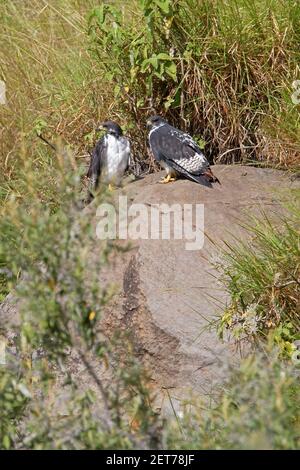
x=263, y=278
x=228, y=79
x=222, y=70
x=257, y=409
x=49, y=76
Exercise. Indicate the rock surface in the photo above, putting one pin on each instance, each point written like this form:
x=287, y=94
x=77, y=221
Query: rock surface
x=170, y=295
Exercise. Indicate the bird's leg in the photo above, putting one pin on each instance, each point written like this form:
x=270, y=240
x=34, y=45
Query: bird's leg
x=168, y=179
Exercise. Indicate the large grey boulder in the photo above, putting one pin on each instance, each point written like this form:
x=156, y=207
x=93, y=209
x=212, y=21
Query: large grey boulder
x=171, y=296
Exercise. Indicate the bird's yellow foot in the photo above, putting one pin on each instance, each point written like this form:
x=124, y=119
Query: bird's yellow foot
x=168, y=179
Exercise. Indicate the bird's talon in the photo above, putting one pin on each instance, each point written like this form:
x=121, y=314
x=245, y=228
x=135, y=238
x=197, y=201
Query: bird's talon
x=167, y=179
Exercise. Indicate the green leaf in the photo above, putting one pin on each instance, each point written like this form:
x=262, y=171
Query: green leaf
x=160, y=76
x=176, y=99
x=164, y=5
x=171, y=70
x=200, y=142
x=99, y=13
x=6, y=442
x=39, y=126
x=168, y=102
x=163, y=56
x=117, y=90
x=152, y=61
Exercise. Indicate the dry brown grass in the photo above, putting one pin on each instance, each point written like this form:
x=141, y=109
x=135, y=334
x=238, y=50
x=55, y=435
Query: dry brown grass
x=235, y=63
x=51, y=81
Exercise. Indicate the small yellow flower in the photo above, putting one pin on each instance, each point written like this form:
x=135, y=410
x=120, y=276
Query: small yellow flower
x=126, y=88
x=92, y=315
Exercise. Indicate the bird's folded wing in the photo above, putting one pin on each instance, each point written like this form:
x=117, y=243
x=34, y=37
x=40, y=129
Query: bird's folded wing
x=96, y=159
x=179, y=150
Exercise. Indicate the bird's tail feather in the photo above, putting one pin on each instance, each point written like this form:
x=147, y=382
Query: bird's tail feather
x=206, y=178
x=209, y=176
x=201, y=179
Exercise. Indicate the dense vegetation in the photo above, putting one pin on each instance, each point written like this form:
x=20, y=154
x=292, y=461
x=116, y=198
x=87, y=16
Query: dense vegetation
x=262, y=275
x=222, y=70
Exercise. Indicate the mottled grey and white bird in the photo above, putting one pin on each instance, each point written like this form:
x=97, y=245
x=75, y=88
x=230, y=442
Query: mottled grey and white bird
x=178, y=153
x=110, y=157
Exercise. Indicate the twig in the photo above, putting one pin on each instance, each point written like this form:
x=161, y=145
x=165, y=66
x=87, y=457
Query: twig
x=47, y=142
x=99, y=385
x=237, y=148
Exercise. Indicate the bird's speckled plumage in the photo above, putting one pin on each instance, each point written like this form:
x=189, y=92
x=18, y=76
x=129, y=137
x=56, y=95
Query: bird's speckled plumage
x=178, y=153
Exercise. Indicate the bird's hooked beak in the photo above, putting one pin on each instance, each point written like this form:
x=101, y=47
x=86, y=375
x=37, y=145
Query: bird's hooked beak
x=100, y=127
x=148, y=124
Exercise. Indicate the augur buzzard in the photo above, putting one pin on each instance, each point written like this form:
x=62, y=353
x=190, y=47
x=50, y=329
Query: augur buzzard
x=110, y=157
x=178, y=153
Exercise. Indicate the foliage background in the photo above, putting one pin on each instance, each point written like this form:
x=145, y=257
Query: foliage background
x=223, y=70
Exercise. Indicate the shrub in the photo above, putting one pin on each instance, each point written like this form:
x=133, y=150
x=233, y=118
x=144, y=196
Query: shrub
x=258, y=409
x=263, y=278
x=222, y=70
x=61, y=304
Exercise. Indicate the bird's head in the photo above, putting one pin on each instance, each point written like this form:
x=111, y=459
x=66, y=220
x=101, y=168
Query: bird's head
x=155, y=121
x=111, y=127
